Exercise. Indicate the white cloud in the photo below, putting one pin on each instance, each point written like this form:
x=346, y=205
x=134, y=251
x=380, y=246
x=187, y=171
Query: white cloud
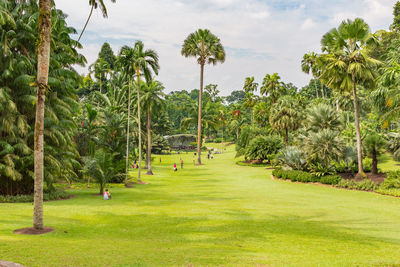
x=259, y=36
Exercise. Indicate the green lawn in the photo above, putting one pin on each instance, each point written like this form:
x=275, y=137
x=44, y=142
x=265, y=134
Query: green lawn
x=216, y=214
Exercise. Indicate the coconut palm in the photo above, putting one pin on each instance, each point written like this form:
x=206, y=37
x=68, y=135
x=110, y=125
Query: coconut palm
x=207, y=49
x=309, y=64
x=137, y=60
x=94, y=5
x=285, y=116
x=152, y=100
x=347, y=65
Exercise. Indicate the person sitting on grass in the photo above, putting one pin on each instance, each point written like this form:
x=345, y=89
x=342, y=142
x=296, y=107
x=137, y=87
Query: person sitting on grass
x=175, y=168
x=107, y=195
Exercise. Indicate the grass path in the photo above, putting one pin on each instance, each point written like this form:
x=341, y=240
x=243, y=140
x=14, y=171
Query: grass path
x=216, y=214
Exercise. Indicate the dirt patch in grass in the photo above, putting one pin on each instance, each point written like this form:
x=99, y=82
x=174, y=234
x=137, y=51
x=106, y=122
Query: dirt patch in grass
x=9, y=264
x=33, y=231
x=376, y=178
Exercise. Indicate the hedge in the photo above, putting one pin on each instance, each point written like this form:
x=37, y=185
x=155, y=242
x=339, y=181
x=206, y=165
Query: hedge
x=54, y=195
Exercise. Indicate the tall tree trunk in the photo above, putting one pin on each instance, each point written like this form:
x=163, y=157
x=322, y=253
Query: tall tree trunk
x=337, y=105
x=374, y=162
x=199, y=118
x=87, y=21
x=149, y=170
x=357, y=123
x=43, y=53
x=316, y=88
x=139, y=125
x=287, y=137
x=127, y=134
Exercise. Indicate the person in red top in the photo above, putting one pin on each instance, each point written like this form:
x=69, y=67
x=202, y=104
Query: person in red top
x=175, y=169
x=107, y=195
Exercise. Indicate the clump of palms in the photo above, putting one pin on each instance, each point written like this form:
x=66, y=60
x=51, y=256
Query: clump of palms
x=373, y=147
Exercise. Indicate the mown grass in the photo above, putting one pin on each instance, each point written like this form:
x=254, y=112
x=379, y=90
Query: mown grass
x=216, y=214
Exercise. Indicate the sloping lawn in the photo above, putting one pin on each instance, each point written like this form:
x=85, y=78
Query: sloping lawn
x=216, y=214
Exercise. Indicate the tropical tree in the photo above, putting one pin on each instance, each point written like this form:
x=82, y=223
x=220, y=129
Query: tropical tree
x=373, y=145
x=140, y=61
x=309, y=64
x=100, y=68
x=346, y=65
x=285, y=116
x=94, y=5
x=323, y=116
x=207, y=49
x=272, y=87
x=152, y=100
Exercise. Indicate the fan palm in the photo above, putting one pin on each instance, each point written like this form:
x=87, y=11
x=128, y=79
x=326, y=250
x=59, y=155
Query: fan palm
x=207, y=49
x=374, y=144
x=309, y=64
x=285, y=116
x=346, y=65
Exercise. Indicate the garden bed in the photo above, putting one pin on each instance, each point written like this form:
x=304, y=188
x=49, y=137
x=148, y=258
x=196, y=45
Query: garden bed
x=252, y=163
x=376, y=178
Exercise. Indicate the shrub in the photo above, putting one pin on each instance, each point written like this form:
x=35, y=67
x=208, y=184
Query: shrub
x=261, y=147
x=366, y=185
x=218, y=140
x=330, y=179
x=392, y=181
x=51, y=195
x=209, y=141
x=292, y=157
x=295, y=176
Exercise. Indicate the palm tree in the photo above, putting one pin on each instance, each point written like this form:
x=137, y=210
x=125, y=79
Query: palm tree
x=152, y=99
x=94, y=5
x=309, y=63
x=43, y=62
x=249, y=88
x=207, y=48
x=100, y=68
x=272, y=86
x=374, y=143
x=285, y=116
x=346, y=65
x=138, y=60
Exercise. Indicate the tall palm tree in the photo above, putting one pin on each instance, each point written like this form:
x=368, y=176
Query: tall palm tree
x=140, y=61
x=125, y=59
x=250, y=87
x=347, y=65
x=94, y=5
x=152, y=99
x=207, y=49
x=272, y=87
x=100, y=68
x=309, y=64
x=43, y=62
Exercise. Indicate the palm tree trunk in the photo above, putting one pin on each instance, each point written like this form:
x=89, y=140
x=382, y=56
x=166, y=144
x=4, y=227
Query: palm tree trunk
x=139, y=125
x=374, y=163
x=199, y=118
x=357, y=124
x=316, y=88
x=87, y=21
x=127, y=134
x=148, y=154
x=43, y=52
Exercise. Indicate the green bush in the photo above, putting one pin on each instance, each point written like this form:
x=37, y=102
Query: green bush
x=330, y=179
x=209, y=141
x=241, y=163
x=389, y=192
x=295, y=176
x=366, y=185
x=392, y=181
x=261, y=147
x=218, y=140
x=52, y=195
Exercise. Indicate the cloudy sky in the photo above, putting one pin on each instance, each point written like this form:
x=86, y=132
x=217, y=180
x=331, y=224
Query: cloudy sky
x=259, y=36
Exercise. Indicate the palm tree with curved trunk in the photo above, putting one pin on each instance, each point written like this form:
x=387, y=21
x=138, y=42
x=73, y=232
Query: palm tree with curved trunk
x=249, y=88
x=94, y=5
x=272, y=87
x=152, y=100
x=138, y=60
x=207, y=49
x=309, y=64
x=347, y=65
